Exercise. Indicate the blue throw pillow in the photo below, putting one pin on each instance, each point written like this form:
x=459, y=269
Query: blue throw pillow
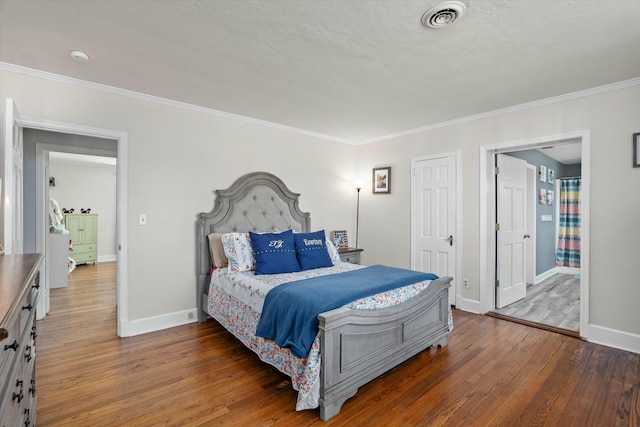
x=275, y=252
x=312, y=251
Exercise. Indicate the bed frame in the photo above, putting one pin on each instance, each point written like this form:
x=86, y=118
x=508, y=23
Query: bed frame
x=357, y=345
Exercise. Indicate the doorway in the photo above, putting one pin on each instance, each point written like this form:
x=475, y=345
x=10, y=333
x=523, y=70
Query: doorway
x=83, y=189
x=552, y=296
x=40, y=211
x=488, y=257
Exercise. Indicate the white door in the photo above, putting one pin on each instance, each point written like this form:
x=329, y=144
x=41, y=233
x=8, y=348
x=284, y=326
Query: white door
x=434, y=218
x=511, y=229
x=12, y=178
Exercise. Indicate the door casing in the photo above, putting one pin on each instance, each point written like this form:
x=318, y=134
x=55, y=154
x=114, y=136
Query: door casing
x=488, y=217
x=121, y=138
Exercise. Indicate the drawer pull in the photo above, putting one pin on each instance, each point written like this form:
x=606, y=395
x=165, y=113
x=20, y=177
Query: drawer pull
x=27, y=307
x=33, y=332
x=32, y=389
x=27, y=353
x=13, y=346
x=20, y=395
x=36, y=285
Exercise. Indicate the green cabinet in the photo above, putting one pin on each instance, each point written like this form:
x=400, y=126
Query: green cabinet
x=84, y=237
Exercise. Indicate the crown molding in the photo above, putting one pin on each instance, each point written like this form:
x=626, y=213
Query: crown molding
x=164, y=101
x=223, y=114
x=526, y=106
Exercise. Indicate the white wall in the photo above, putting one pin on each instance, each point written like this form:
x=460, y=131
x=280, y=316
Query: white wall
x=89, y=186
x=176, y=159
x=612, y=117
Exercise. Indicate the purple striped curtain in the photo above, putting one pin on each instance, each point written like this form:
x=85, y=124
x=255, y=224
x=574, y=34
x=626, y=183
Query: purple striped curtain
x=568, y=253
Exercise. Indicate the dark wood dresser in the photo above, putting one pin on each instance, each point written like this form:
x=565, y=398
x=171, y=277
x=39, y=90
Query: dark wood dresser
x=19, y=290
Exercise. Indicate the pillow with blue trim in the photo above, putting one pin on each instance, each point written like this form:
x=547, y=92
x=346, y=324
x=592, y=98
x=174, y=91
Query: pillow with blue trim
x=311, y=249
x=275, y=252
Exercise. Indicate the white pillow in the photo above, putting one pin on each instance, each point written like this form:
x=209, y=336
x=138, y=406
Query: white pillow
x=238, y=249
x=333, y=252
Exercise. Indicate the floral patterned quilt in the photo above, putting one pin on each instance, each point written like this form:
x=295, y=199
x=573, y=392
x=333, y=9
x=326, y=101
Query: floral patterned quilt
x=235, y=301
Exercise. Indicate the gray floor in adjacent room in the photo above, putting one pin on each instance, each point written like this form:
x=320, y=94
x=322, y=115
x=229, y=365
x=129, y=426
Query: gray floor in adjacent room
x=554, y=301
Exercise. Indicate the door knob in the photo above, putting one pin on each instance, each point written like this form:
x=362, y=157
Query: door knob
x=526, y=236
x=450, y=240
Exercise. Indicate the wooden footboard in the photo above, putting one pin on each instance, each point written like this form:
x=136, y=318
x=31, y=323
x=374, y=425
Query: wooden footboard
x=360, y=345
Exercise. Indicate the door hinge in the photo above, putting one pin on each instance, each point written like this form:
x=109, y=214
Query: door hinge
x=497, y=283
x=497, y=227
x=497, y=170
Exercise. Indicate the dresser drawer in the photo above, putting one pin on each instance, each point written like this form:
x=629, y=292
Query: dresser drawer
x=9, y=349
x=80, y=249
x=9, y=416
x=86, y=253
x=27, y=310
x=84, y=258
x=19, y=289
x=351, y=255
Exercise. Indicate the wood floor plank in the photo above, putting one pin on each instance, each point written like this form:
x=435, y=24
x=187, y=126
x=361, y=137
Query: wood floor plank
x=493, y=372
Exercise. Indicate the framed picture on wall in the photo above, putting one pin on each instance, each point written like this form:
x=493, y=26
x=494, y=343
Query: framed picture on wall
x=542, y=196
x=542, y=173
x=339, y=238
x=636, y=150
x=382, y=180
x=551, y=176
x=550, y=197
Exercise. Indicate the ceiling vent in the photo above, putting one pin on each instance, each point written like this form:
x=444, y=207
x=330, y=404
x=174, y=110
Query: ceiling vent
x=443, y=14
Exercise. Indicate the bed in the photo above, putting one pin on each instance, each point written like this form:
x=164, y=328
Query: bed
x=354, y=344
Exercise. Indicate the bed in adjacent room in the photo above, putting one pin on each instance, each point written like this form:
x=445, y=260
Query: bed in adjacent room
x=257, y=258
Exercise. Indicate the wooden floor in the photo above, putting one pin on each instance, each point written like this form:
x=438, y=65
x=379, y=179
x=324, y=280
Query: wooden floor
x=492, y=373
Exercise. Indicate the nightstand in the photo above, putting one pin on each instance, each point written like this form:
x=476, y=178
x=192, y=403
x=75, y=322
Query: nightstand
x=351, y=255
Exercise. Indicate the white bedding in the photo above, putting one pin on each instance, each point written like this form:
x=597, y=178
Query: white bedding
x=235, y=300
x=252, y=289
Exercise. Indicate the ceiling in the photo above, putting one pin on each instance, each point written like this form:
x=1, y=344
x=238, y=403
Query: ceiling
x=351, y=70
x=84, y=159
x=565, y=152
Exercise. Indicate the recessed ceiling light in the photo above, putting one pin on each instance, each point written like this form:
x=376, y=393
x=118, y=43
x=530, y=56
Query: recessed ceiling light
x=79, y=56
x=443, y=14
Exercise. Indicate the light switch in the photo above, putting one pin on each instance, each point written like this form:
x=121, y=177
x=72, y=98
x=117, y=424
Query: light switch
x=143, y=219
x=547, y=218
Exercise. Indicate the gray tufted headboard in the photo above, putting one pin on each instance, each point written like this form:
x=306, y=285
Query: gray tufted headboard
x=258, y=201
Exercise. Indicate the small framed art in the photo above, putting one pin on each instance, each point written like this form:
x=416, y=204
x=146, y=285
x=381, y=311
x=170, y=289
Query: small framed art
x=550, y=197
x=339, y=238
x=551, y=176
x=542, y=196
x=382, y=180
x=636, y=150
x=542, y=173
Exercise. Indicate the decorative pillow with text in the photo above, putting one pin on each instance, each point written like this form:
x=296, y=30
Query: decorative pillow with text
x=311, y=249
x=275, y=252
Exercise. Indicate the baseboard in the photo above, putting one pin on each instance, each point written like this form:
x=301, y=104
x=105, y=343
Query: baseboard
x=614, y=338
x=555, y=270
x=470, y=305
x=544, y=276
x=106, y=258
x=567, y=270
x=165, y=321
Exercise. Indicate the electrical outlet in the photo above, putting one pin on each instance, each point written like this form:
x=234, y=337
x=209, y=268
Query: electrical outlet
x=465, y=283
x=143, y=219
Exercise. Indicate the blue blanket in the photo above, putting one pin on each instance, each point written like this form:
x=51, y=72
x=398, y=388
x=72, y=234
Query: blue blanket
x=290, y=312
